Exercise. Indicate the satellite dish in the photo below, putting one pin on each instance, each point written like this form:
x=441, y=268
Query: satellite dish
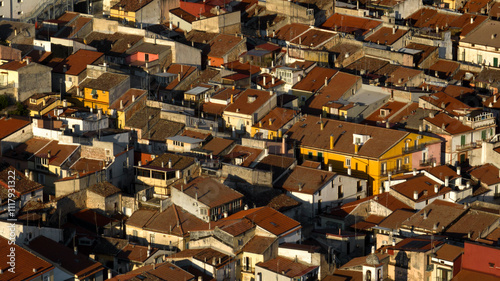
x=144, y=198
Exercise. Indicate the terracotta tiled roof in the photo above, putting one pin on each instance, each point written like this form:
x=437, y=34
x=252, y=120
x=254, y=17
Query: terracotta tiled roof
x=22, y=184
x=445, y=67
x=27, y=149
x=315, y=79
x=445, y=102
x=423, y=185
x=268, y=81
x=395, y=219
x=74, y=27
x=467, y=275
x=209, y=191
x=474, y=223
x=67, y=17
x=306, y=180
x=311, y=164
x=77, y=62
x=131, y=5
x=136, y=253
x=268, y=219
x=179, y=162
x=417, y=245
x=268, y=47
x=458, y=91
x=449, y=252
x=258, y=244
x=451, y=125
x=183, y=14
x=392, y=107
x=195, y=134
x=443, y=171
x=104, y=189
x=384, y=199
x=276, y=119
x=290, y=31
x=467, y=22
x=429, y=17
x=126, y=98
x=283, y=203
x=338, y=85
x=184, y=70
x=426, y=51
x=309, y=134
x=79, y=265
x=25, y=263
x=217, y=145
x=487, y=174
x=248, y=102
x=222, y=44
x=313, y=38
x=249, y=154
x=400, y=76
x=242, y=68
x=207, y=255
x=484, y=35
x=440, y=213
x=175, y=221
x=368, y=64
x=386, y=35
x=368, y=223
x=287, y=267
x=350, y=24
x=11, y=125
x=59, y=153
x=84, y=165
x=13, y=65
x=476, y=6
x=140, y=217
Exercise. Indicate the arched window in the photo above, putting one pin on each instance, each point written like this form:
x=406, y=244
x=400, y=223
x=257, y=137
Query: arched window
x=368, y=275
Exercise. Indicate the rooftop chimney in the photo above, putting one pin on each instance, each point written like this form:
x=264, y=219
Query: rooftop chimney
x=436, y=188
x=414, y=172
x=121, y=104
x=169, y=163
x=415, y=195
x=326, y=81
x=446, y=181
x=332, y=141
x=133, y=98
x=459, y=170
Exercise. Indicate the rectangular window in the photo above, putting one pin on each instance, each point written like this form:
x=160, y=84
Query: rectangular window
x=399, y=164
x=462, y=140
x=341, y=192
x=407, y=160
x=383, y=168
x=348, y=162
x=158, y=175
x=483, y=135
x=359, y=187
x=479, y=59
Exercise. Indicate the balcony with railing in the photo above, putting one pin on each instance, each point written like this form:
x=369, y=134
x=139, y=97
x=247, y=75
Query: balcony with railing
x=397, y=170
x=413, y=148
x=427, y=162
x=468, y=146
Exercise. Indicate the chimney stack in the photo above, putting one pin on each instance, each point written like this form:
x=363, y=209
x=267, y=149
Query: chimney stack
x=459, y=170
x=415, y=195
x=436, y=188
x=446, y=181
x=414, y=172
x=169, y=163
x=121, y=104
x=332, y=141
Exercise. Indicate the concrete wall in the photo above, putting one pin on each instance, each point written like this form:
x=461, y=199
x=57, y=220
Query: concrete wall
x=292, y=10
x=255, y=177
x=72, y=185
x=400, y=58
x=33, y=78
x=149, y=15
x=15, y=10
x=16, y=138
x=180, y=53
x=25, y=233
x=228, y=23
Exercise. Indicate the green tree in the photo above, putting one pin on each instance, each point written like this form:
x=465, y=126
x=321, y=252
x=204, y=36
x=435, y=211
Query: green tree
x=4, y=102
x=20, y=110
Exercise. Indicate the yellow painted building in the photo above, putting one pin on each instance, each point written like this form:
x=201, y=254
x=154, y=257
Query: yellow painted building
x=118, y=13
x=365, y=151
x=103, y=91
x=274, y=123
x=41, y=104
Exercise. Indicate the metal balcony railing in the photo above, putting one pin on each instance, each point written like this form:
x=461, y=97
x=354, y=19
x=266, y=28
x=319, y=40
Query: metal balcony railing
x=413, y=148
x=467, y=146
